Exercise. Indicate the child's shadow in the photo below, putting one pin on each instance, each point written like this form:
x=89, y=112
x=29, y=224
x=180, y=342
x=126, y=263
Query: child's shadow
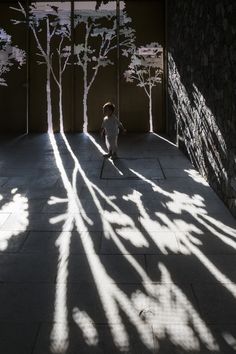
x=121, y=169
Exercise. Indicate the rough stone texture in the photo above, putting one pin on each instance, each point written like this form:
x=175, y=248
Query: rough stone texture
x=201, y=70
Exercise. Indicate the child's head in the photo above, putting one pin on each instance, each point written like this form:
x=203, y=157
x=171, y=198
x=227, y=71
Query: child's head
x=108, y=108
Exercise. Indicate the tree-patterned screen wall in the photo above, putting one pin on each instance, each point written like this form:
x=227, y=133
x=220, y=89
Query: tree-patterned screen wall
x=60, y=61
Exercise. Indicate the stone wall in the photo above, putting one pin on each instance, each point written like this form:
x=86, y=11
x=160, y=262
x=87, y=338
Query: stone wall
x=201, y=47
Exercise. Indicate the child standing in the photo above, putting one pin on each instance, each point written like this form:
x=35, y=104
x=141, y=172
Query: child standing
x=111, y=127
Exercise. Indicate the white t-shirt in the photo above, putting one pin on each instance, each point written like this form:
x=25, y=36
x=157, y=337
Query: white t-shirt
x=111, y=125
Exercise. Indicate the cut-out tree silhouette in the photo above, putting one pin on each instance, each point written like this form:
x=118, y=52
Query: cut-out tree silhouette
x=146, y=70
x=100, y=39
x=99, y=3
x=10, y=55
x=48, y=23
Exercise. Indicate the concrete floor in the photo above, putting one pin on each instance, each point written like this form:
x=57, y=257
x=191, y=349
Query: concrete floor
x=136, y=255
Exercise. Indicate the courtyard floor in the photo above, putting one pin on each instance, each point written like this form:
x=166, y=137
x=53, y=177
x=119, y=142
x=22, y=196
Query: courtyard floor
x=135, y=255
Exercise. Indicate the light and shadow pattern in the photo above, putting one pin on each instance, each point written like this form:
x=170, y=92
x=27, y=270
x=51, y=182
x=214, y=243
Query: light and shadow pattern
x=132, y=264
x=146, y=69
x=10, y=55
x=97, y=37
x=203, y=138
x=97, y=41
x=161, y=310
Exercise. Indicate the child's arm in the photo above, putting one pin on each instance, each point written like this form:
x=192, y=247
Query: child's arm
x=122, y=127
x=102, y=132
x=102, y=129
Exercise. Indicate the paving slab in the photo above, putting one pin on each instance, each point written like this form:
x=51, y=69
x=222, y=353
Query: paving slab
x=18, y=338
x=111, y=268
x=208, y=243
x=27, y=267
x=31, y=302
x=92, y=339
x=12, y=241
x=216, y=302
x=184, y=268
x=130, y=168
x=138, y=242
x=53, y=241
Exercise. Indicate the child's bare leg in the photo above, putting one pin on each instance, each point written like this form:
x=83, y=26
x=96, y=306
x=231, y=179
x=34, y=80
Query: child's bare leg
x=109, y=147
x=114, y=146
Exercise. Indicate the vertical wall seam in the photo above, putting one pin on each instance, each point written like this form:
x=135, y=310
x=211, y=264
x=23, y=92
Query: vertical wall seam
x=27, y=66
x=166, y=67
x=118, y=57
x=72, y=128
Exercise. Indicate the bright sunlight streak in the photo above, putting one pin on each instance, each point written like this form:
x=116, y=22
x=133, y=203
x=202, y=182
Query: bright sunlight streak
x=14, y=218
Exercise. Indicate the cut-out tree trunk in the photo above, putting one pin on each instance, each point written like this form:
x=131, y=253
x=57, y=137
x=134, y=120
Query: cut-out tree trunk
x=10, y=55
x=98, y=42
x=146, y=70
x=55, y=21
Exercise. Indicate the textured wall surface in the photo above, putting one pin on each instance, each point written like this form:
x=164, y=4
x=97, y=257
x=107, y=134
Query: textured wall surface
x=201, y=49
